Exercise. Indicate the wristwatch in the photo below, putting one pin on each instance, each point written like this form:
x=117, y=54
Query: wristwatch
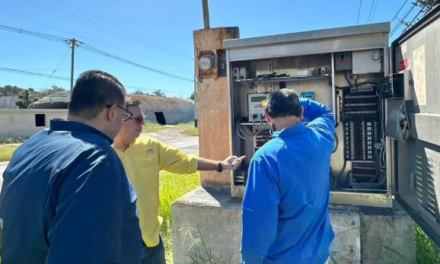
x=219, y=167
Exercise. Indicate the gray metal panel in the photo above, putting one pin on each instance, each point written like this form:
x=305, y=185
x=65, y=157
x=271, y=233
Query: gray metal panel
x=425, y=127
x=309, y=35
x=420, y=54
x=321, y=46
x=419, y=184
x=418, y=159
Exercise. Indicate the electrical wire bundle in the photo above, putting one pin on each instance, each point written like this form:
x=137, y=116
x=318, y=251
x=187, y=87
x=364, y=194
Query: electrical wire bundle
x=257, y=128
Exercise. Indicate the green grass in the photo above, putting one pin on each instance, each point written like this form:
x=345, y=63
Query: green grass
x=171, y=187
x=152, y=127
x=6, y=152
x=190, y=132
x=427, y=252
x=12, y=140
x=191, y=124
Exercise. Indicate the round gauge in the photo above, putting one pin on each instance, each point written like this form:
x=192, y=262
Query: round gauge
x=206, y=62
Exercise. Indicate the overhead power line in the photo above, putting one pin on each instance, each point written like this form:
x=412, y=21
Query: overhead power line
x=95, y=50
x=17, y=71
x=91, y=40
x=359, y=11
x=402, y=21
x=53, y=72
x=400, y=9
x=34, y=34
x=111, y=30
x=98, y=51
x=374, y=10
x=34, y=74
x=371, y=10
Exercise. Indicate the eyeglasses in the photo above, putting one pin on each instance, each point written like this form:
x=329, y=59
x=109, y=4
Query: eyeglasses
x=126, y=115
x=137, y=119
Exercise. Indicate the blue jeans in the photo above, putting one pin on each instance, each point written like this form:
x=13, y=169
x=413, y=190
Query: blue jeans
x=154, y=255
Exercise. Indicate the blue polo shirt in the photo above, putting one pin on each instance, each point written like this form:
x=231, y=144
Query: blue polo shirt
x=285, y=205
x=66, y=199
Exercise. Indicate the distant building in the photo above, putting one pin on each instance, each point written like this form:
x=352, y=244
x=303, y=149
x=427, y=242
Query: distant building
x=163, y=110
x=8, y=102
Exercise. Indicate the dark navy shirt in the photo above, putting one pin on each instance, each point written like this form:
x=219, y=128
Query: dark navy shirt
x=67, y=200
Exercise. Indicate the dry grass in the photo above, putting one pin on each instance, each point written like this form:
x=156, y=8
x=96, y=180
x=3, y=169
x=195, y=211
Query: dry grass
x=190, y=132
x=6, y=152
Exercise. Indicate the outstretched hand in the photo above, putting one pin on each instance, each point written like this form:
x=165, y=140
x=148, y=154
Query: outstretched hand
x=232, y=162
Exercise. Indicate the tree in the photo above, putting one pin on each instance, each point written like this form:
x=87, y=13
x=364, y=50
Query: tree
x=192, y=96
x=159, y=93
x=138, y=92
x=24, y=101
x=52, y=90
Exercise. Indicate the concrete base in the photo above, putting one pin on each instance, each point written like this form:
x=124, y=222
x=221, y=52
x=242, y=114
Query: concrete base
x=207, y=228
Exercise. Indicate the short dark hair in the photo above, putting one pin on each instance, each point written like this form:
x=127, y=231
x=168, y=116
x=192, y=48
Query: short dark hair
x=283, y=103
x=93, y=91
x=130, y=102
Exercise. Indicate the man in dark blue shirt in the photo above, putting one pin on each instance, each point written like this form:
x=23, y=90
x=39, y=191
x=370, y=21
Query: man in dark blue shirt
x=66, y=198
x=285, y=205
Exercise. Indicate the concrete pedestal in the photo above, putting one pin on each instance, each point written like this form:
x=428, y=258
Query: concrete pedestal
x=207, y=227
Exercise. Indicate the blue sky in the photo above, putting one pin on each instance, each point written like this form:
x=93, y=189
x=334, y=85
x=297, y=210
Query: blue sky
x=156, y=34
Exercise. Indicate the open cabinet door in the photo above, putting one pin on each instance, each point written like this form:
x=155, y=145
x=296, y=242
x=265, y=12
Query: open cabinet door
x=417, y=158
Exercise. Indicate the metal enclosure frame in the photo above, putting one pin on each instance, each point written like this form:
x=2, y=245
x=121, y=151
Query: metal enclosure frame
x=328, y=41
x=418, y=159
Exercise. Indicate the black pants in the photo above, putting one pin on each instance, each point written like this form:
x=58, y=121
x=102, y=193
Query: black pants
x=154, y=255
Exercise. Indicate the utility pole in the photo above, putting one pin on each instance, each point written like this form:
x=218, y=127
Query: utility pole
x=72, y=43
x=205, y=13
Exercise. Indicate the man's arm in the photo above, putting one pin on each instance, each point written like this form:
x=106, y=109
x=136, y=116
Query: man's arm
x=260, y=212
x=319, y=115
x=174, y=160
x=86, y=218
x=230, y=163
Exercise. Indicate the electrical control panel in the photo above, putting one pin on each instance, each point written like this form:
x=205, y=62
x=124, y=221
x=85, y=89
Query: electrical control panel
x=255, y=106
x=347, y=81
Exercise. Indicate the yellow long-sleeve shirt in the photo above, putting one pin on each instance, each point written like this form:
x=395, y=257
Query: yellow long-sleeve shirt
x=143, y=160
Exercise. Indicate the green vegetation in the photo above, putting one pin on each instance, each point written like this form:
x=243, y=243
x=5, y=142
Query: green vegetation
x=152, y=127
x=12, y=140
x=173, y=186
x=427, y=252
x=6, y=152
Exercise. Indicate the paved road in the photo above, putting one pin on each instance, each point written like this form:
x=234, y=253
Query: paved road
x=189, y=145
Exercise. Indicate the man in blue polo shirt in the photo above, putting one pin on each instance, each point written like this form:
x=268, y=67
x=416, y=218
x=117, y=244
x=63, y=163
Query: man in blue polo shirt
x=285, y=205
x=65, y=197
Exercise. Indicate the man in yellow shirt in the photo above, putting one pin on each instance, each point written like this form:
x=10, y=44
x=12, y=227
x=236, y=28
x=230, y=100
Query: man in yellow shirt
x=143, y=158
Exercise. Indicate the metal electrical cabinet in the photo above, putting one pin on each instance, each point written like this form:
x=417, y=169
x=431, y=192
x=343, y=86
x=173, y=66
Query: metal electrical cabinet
x=387, y=142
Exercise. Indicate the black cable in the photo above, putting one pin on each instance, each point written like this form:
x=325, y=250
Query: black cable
x=174, y=51
x=34, y=74
x=53, y=72
x=98, y=51
x=109, y=30
x=374, y=10
x=401, y=22
x=371, y=9
x=359, y=11
x=336, y=145
x=399, y=10
x=34, y=34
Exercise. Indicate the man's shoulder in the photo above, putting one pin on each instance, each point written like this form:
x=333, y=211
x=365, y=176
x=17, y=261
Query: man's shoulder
x=146, y=141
